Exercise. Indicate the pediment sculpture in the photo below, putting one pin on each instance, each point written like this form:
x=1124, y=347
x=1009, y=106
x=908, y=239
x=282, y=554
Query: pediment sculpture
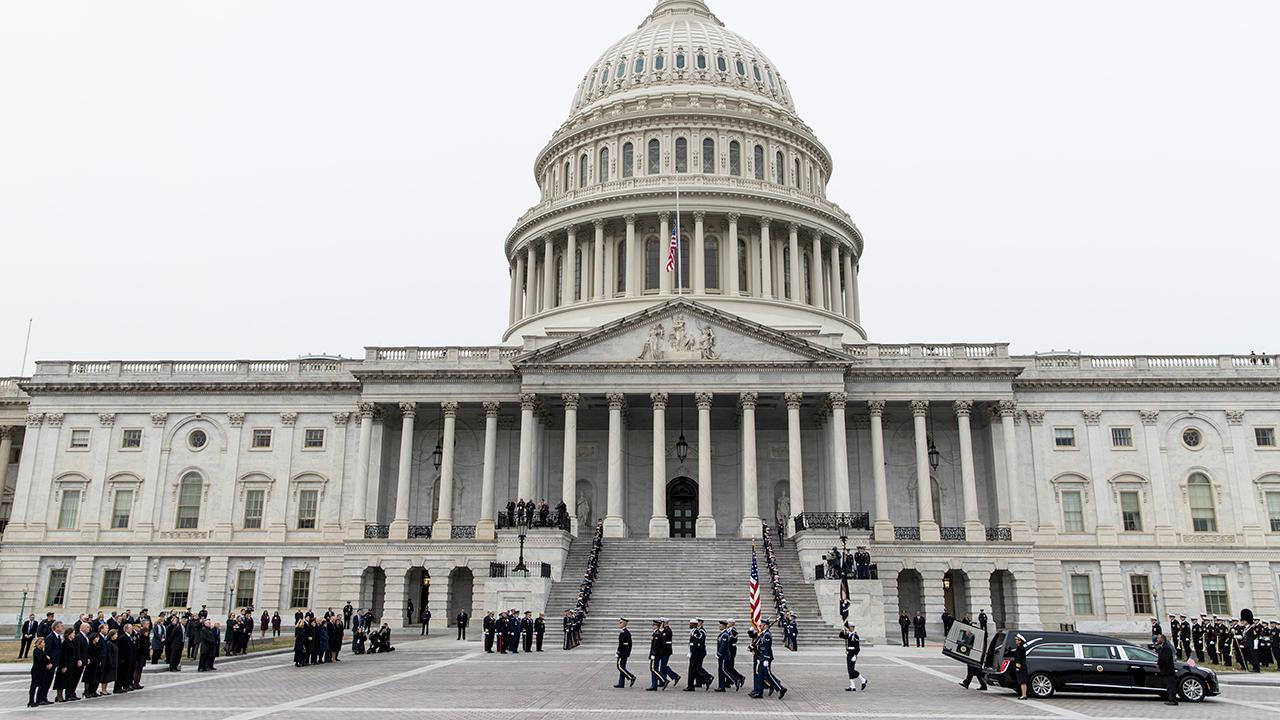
x=681, y=344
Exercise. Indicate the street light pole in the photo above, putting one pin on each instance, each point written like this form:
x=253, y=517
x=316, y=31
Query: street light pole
x=523, y=530
x=21, y=611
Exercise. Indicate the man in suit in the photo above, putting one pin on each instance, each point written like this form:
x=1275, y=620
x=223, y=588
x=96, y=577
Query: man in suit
x=624, y=652
x=488, y=625
x=1165, y=668
x=173, y=641
x=425, y=617
x=53, y=651
x=210, y=638
x=462, y=620
x=29, y=629
x=80, y=649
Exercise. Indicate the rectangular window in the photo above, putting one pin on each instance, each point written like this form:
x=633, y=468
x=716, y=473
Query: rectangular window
x=307, y=502
x=57, y=591
x=79, y=439
x=1072, y=511
x=1273, y=510
x=300, y=589
x=110, y=595
x=177, y=589
x=253, y=500
x=1216, y=601
x=69, y=510
x=313, y=438
x=1140, y=593
x=261, y=439
x=1121, y=437
x=1265, y=437
x=121, y=509
x=1081, y=595
x=244, y=588
x=1064, y=437
x=189, y=493
x=1131, y=510
x=130, y=439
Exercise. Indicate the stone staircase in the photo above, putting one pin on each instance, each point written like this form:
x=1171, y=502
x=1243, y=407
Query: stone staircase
x=642, y=579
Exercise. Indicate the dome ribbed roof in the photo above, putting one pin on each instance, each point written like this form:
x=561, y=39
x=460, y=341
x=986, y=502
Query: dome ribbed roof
x=682, y=44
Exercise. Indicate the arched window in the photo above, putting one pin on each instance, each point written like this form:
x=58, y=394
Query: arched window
x=735, y=158
x=659, y=61
x=652, y=258
x=555, y=291
x=742, y=68
x=1204, y=515
x=742, y=267
x=679, y=61
x=786, y=272
x=708, y=155
x=759, y=162
x=655, y=156
x=755, y=70
x=702, y=61
x=604, y=75
x=711, y=262
x=795, y=166
x=190, y=490
x=806, y=272
x=682, y=155
x=628, y=160
x=566, y=176
x=602, y=170
x=769, y=74
x=780, y=168
x=582, y=170
x=591, y=83
x=620, y=266
x=721, y=64
x=640, y=65
x=622, y=69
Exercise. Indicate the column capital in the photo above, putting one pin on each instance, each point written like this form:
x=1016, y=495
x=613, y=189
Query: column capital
x=341, y=418
x=235, y=419
x=816, y=234
x=409, y=409
x=793, y=399
x=491, y=408
x=616, y=400
x=963, y=408
x=793, y=228
x=570, y=400
x=748, y=400
x=598, y=223
x=528, y=401
x=919, y=408
x=876, y=407
x=838, y=400
x=1235, y=417
x=703, y=400
x=664, y=215
x=659, y=400
x=1091, y=417
x=571, y=229
x=1007, y=408
x=366, y=409
x=158, y=419
x=449, y=408
x=1036, y=417
x=630, y=218
x=288, y=418
x=765, y=220
x=1149, y=417
x=54, y=419
x=35, y=419
x=733, y=217
x=5, y=432
x=698, y=215
x=106, y=419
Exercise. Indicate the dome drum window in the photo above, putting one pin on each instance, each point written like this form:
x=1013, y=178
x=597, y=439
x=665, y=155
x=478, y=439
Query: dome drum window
x=682, y=155
x=622, y=70
x=680, y=61
x=740, y=67
x=639, y=66
x=755, y=70
x=708, y=155
x=721, y=64
x=654, y=157
x=735, y=158
x=1192, y=438
x=628, y=160
x=659, y=61
x=701, y=61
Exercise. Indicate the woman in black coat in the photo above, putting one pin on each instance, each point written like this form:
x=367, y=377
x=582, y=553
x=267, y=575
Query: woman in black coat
x=66, y=666
x=299, y=645
x=92, y=666
x=109, y=660
x=39, y=661
x=335, y=641
x=1020, y=674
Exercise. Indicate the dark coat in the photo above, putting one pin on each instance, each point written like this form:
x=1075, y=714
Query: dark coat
x=110, y=660
x=1164, y=663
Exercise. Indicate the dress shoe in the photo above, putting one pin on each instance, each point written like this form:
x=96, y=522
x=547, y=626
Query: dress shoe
x=651, y=689
x=633, y=682
x=754, y=696
x=618, y=686
x=689, y=689
x=782, y=693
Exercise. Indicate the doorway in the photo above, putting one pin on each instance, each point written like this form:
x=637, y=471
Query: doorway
x=461, y=588
x=682, y=507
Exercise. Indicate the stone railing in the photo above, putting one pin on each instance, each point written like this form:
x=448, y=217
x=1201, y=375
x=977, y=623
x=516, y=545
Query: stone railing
x=442, y=355
x=155, y=370
x=927, y=352
x=952, y=534
x=463, y=532
x=833, y=521
x=1051, y=363
x=419, y=532
x=999, y=534
x=906, y=532
x=372, y=532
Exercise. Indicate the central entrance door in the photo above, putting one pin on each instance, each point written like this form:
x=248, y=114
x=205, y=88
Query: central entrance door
x=682, y=507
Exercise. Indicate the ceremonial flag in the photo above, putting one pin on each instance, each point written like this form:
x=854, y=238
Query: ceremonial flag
x=844, y=597
x=754, y=586
x=671, y=250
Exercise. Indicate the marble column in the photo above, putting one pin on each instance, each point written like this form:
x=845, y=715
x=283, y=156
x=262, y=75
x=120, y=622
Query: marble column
x=833, y=280
x=485, y=525
x=666, y=280
x=706, y=524
x=400, y=525
x=569, y=280
x=924, y=487
x=855, y=312
x=883, y=525
x=515, y=302
x=840, y=449
x=766, y=259
x=630, y=270
x=659, y=524
x=974, y=530
x=797, y=264
x=530, y=280
x=6, y=448
x=750, y=527
x=442, y=528
x=846, y=259
x=598, y=260
x=795, y=469
x=524, y=476
x=548, y=273
x=615, y=526
x=817, y=271
x=569, y=476
x=1019, y=528
x=731, y=254
x=697, y=267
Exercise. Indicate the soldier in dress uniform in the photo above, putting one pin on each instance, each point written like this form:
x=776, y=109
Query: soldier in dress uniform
x=852, y=646
x=539, y=629
x=513, y=631
x=489, y=623
x=697, y=654
x=624, y=652
x=1156, y=630
x=668, y=649
x=1211, y=639
x=655, y=653
x=1174, y=630
x=1184, y=640
x=527, y=627
x=1197, y=638
x=723, y=678
x=764, y=677
x=1264, y=644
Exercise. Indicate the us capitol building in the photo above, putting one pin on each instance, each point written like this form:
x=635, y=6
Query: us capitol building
x=1055, y=488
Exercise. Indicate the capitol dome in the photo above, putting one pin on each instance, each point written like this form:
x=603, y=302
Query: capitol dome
x=684, y=123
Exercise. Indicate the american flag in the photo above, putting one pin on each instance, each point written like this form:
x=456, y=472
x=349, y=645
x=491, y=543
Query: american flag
x=671, y=251
x=754, y=586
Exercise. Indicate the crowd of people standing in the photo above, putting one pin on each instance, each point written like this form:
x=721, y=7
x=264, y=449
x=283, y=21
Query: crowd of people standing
x=574, y=617
x=1248, y=642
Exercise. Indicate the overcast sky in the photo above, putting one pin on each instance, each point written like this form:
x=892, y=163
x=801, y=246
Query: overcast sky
x=271, y=178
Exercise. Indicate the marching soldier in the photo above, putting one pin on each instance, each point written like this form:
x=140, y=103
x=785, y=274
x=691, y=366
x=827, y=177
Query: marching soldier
x=762, y=645
x=722, y=658
x=852, y=646
x=655, y=654
x=668, y=649
x=697, y=653
x=624, y=652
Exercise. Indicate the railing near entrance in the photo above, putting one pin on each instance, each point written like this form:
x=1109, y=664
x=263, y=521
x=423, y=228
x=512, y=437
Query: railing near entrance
x=376, y=531
x=951, y=533
x=508, y=569
x=999, y=534
x=419, y=532
x=833, y=521
x=906, y=532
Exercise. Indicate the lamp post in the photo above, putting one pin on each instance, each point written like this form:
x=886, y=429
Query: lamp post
x=524, y=532
x=842, y=527
x=21, y=611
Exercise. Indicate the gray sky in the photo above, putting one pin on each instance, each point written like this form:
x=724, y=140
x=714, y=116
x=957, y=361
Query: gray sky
x=270, y=178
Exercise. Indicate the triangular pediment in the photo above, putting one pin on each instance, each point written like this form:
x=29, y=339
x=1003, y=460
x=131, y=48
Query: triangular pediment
x=683, y=331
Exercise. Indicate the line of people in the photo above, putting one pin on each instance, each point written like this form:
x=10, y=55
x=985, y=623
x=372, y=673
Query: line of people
x=786, y=618
x=319, y=640
x=1250, y=643
x=534, y=514
x=661, y=646
x=504, y=632
x=574, y=617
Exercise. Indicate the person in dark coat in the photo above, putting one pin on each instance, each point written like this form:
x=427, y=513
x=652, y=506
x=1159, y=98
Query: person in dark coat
x=173, y=642
x=461, y=621
x=141, y=646
x=41, y=667
x=918, y=624
x=904, y=623
x=320, y=647
x=299, y=644
x=92, y=666
x=335, y=639
x=110, y=662
x=210, y=638
x=1165, y=667
x=1020, y=674
x=30, y=628
x=124, y=661
x=66, y=661
x=275, y=624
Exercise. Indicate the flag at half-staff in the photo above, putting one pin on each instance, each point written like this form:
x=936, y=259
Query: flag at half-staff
x=754, y=590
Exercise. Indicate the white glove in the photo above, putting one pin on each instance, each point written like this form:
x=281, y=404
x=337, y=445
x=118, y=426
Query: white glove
x=650, y=657
x=688, y=654
x=766, y=663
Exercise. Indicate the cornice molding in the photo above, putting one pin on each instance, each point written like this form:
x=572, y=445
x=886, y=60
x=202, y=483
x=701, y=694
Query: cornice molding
x=86, y=388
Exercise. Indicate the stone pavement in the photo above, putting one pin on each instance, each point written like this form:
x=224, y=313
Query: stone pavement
x=441, y=678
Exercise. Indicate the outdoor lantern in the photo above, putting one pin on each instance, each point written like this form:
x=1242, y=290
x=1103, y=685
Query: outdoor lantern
x=682, y=448
x=437, y=455
x=934, y=455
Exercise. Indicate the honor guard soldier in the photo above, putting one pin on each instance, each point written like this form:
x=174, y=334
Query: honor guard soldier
x=738, y=677
x=1211, y=639
x=655, y=654
x=1197, y=636
x=624, y=652
x=488, y=624
x=1184, y=640
x=723, y=678
x=668, y=649
x=852, y=646
x=697, y=654
x=1156, y=630
x=1174, y=629
x=762, y=644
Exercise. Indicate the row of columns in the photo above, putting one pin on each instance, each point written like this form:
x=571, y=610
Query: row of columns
x=614, y=521
x=527, y=300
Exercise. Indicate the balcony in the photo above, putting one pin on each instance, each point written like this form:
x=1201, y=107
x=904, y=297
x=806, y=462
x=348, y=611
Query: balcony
x=843, y=522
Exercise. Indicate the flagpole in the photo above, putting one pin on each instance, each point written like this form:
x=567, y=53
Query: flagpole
x=679, y=258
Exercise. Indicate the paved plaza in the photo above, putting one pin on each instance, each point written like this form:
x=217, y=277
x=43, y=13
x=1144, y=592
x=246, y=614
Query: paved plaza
x=440, y=678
